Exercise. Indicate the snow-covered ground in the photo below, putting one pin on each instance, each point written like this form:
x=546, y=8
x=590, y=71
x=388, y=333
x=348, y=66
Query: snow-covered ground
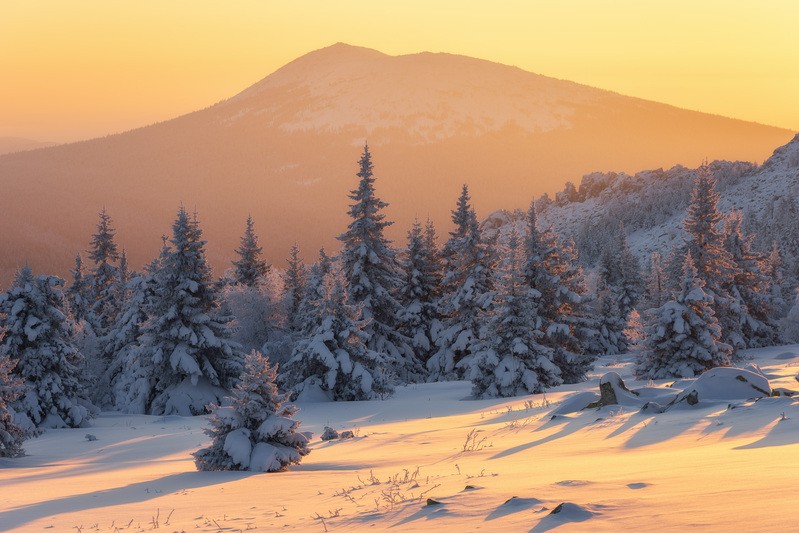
x=493, y=465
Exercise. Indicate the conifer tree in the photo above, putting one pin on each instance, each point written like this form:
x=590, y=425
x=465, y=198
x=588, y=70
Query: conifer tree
x=122, y=342
x=748, y=287
x=421, y=290
x=255, y=430
x=250, y=267
x=512, y=360
x=551, y=268
x=682, y=337
x=294, y=287
x=309, y=314
x=576, y=329
x=186, y=357
x=38, y=338
x=11, y=388
x=78, y=292
x=713, y=263
x=657, y=291
x=612, y=339
x=372, y=275
x=779, y=287
x=336, y=357
x=467, y=294
x=103, y=253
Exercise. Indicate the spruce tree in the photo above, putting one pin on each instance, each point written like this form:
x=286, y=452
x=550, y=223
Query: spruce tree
x=78, y=292
x=255, y=429
x=336, y=357
x=612, y=339
x=512, y=360
x=309, y=313
x=372, y=275
x=551, y=268
x=467, y=294
x=682, y=337
x=421, y=290
x=186, y=357
x=250, y=268
x=104, y=276
x=657, y=291
x=11, y=388
x=122, y=342
x=38, y=338
x=779, y=286
x=713, y=263
x=294, y=287
x=748, y=287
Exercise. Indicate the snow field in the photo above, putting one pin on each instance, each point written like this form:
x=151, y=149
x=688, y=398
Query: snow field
x=495, y=465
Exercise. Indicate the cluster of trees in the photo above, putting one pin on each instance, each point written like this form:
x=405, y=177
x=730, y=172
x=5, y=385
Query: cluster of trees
x=511, y=312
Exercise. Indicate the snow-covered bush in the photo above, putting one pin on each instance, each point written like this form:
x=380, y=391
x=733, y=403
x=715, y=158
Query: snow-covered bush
x=255, y=430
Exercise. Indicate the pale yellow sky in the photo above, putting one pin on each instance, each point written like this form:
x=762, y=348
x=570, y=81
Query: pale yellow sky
x=79, y=69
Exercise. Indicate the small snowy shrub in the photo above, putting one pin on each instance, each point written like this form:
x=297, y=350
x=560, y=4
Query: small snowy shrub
x=255, y=431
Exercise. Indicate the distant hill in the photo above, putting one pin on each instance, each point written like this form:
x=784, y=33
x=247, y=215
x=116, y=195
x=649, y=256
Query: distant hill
x=652, y=205
x=18, y=144
x=285, y=150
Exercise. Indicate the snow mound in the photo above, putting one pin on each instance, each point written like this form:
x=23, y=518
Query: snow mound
x=576, y=402
x=726, y=384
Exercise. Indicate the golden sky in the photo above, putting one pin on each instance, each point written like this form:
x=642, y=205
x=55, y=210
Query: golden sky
x=71, y=70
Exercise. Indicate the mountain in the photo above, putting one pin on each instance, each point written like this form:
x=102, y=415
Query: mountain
x=19, y=144
x=285, y=151
x=652, y=205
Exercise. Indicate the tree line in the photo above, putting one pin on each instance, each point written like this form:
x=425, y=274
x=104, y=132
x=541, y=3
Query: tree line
x=514, y=313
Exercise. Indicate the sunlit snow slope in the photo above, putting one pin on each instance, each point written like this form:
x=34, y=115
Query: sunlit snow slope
x=724, y=464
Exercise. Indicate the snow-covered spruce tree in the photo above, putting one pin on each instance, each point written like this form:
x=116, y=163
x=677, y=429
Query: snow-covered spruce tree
x=372, y=275
x=77, y=293
x=130, y=373
x=657, y=291
x=576, y=349
x=255, y=429
x=779, y=287
x=550, y=268
x=748, y=286
x=619, y=288
x=294, y=287
x=421, y=290
x=38, y=337
x=511, y=360
x=11, y=435
x=336, y=357
x=682, y=337
x=632, y=283
x=186, y=358
x=309, y=314
x=467, y=295
x=611, y=325
x=714, y=264
x=104, y=276
x=672, y=269
x=250, y=268
x=122, y=341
